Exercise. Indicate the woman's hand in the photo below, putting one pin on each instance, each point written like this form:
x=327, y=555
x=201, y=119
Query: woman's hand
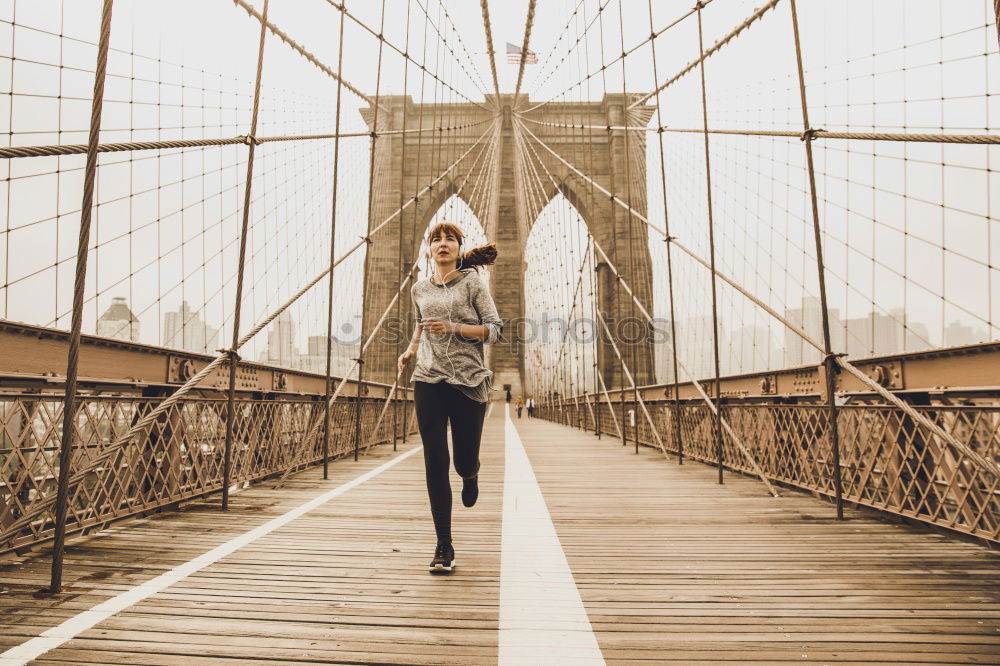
x=404, y=358
x=433, y=325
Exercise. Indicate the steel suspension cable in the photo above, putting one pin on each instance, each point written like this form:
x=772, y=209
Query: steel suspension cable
x=580, y=37
x=678, y=440
x=828, y=354
x=413, y=266
x=529, y=21
x=481, y=85
x=298, y=48
x=69, y=426
x=628, y=194
x=529, y=169
x=711, y=246
x=333, y=232
x=651, y=39
x=443, y=40
x=230, y=353
x=485, y=6
x=139, y=426
x=403, y=258
x=813, y=134
x=712, y=406
x=341, y=6
x=757, y=14
x=868, y=381
x=79, y=148
x=631, y=379
x=562, y=34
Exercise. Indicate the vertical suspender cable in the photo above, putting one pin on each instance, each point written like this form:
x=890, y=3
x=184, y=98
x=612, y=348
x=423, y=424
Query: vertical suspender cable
x=717, y=420
x=631, y=241
x=333, y=243
x=678, y=441
x=420, y=137
x=79, y=284
x=404, y=258
x=623, y=429
x=237, y=306
x=829, y=360
x=598, y=336
x=371, y=181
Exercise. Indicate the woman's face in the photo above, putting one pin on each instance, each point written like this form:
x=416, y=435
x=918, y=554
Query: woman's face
x=444, y=247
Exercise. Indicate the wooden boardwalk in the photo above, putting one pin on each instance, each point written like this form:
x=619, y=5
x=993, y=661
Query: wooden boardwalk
x=669, y=567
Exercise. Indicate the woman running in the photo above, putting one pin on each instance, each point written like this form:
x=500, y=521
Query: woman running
x=456, y=316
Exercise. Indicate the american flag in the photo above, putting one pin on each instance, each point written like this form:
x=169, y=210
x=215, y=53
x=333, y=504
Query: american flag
x=514, y=55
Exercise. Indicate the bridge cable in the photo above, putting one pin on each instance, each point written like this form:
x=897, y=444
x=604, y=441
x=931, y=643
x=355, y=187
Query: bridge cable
x=528, y=22
x=484, y=4
x=811, y=134
x=410, y=275
x=333, y=229
x=711, y=246
x=828, y=354
x=231, y=354
x=580, y=36
x=628, y=193
x=621, y=280
x=678, y=440
x=300, y=49
x=868, y=381
x=69, y=425
x=624, y=364
x=115, y=445
x=491, y=147
x=442, y=40
x=756, y=15
x=527, y=167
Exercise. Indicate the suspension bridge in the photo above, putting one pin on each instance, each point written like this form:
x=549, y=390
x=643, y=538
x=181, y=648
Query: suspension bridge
x=749, y=274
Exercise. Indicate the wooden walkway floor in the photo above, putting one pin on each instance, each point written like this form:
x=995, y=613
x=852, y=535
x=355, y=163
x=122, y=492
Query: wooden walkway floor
x=668, y=566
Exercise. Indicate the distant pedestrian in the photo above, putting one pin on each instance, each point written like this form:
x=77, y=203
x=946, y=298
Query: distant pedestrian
x=531, y=407
x=508, y=395
x=519, y=404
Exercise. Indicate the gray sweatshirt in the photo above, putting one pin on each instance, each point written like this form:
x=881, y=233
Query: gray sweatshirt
x=449, y=357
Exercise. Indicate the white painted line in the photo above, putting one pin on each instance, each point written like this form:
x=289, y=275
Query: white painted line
x=542, y=618
x=71, y=628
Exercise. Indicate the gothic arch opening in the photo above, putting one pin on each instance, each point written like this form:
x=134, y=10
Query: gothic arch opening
x=560, y=327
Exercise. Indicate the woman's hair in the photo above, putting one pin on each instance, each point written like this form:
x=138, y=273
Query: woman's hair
x=484, y=255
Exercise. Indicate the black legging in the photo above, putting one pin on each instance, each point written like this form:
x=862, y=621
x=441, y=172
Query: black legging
x=436, y=404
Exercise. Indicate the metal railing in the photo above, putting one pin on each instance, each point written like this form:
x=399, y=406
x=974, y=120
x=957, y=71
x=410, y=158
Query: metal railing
x=178, y=457
x=888, y=461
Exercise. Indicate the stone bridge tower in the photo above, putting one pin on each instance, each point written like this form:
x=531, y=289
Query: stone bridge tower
x=405, y=163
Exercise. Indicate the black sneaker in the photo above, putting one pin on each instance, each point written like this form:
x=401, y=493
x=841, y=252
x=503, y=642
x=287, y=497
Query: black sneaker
x=470, y=491
x=444, y=558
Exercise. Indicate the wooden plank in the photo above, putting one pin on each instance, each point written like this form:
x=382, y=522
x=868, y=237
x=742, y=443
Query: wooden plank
x=670, y=563
x=671, y=567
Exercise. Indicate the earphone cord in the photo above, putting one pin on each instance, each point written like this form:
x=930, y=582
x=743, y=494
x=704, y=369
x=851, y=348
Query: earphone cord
x=451, y=303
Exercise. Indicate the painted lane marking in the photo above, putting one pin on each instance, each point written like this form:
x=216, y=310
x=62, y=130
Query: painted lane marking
x=71, y=628
x=542, y=617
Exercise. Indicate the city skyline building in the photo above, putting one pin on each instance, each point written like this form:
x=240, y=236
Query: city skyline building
x=185, y=329
x=118, y=321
